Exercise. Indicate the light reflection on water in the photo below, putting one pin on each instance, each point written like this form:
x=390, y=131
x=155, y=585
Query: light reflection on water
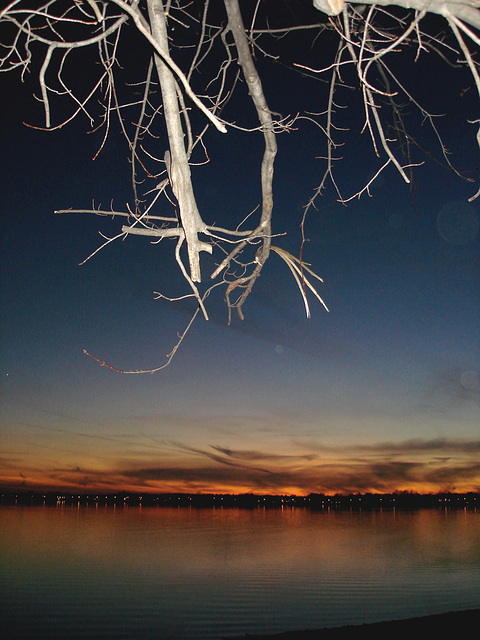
x=164, y=573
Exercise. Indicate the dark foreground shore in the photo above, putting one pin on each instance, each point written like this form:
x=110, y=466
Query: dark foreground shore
x=465, y=624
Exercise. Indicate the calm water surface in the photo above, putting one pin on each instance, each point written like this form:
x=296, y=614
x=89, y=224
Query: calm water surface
x=161, y=573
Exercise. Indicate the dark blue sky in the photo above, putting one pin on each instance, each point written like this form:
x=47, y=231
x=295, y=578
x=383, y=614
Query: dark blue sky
x=380, y=393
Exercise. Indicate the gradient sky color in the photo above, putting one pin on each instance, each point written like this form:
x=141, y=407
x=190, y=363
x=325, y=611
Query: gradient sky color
x=380, y=394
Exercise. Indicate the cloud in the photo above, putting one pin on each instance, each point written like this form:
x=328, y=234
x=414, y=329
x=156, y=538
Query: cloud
x=423, y=465
x=417, y=464
x=334, y=478
x=419, y=445
x=209, y=479
x=221, y=458
x=433, y=465
x=243, y=454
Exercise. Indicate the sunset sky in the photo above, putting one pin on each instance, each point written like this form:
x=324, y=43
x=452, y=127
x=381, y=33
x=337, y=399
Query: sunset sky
x=380, y=394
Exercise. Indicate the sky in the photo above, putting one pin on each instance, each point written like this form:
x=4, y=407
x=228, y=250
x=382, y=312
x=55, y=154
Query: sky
x=380, y=394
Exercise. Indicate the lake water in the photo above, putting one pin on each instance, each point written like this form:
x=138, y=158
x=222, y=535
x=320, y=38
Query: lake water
x=164, y=573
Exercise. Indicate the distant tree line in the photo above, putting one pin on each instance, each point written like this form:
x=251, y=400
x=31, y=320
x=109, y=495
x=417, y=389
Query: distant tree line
x=396, y=500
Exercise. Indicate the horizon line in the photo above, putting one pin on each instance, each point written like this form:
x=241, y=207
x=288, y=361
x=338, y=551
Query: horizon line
x=123, y=495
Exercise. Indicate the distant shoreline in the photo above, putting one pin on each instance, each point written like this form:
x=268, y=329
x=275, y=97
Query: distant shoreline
x=400, y=500
x=447, y=624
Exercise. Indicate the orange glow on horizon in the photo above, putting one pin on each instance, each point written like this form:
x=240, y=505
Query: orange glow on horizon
x=46, y=484
x=416, y=466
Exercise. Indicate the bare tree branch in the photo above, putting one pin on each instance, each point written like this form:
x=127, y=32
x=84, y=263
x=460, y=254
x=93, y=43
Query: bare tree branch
x=194, y=57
